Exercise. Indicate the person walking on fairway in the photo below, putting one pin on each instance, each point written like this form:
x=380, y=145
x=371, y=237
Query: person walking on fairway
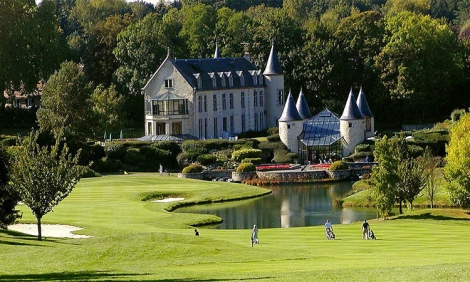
x=254, y=235
x=365, y=230
x=329, y=230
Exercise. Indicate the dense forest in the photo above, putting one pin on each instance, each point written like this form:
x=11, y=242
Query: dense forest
x=412, y=57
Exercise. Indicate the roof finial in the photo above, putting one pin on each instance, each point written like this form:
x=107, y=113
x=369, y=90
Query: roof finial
x=217, y=52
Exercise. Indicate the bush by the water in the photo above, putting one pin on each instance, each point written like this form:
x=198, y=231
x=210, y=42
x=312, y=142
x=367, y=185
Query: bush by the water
x=339, y=165
x=246, y=167
x=193, y=168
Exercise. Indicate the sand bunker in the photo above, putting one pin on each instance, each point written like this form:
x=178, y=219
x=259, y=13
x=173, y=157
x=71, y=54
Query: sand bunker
x=49, y=230
x=167, y=200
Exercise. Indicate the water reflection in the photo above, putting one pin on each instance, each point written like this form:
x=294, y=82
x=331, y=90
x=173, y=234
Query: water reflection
x=287, y=206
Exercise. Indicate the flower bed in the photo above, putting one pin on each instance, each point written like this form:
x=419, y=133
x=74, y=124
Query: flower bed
x=272, y=167
x=321, y=166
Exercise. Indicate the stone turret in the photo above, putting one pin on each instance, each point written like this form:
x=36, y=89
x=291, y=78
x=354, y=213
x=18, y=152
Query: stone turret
x=366, y=113
x=290, y=125
x=274, y=80
x=352, y=125
x=302, y=107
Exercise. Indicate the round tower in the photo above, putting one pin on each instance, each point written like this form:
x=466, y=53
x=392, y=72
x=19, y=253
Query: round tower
x=290, y=125
x=366, y=113
x=352, y=126
x=274, y=80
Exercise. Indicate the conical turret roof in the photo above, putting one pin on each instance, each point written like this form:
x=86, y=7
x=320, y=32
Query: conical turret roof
x=363, y=105
x=351, y=110
x=302, y=106
x=273, y=66
x=217, y=52
x=290, y=112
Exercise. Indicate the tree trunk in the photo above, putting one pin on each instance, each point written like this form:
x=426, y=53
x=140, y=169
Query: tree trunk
x=400, y=207
x=39, y=228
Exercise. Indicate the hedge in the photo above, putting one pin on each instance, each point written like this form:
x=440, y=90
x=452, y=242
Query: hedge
x=246, y=153
x=252, y=160
x=246, y=167
x=339, y=165
x=192, y=168
x=206, y=159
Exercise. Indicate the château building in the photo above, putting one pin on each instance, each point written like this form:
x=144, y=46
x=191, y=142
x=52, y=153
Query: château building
x=212, y=98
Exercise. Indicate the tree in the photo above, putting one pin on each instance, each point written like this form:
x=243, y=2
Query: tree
x=198, y=30
x=65, y=103
x=99, y=60
x=457, y=167
x=139, y=52
x=32, y=46
x=384, y=177
x=419, y=64
x=411, y=172
x=43, y=176
x=432, y=188
x=108, y=108
x=8, y=197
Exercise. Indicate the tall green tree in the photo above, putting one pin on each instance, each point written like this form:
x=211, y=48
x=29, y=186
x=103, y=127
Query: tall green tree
x=65, y=103
x=43, y=176
x=8, y=197
x=419, y=64
x=32, y=47
x=384, y=177
x=413, y=178
x=108, y=108
x=139, y=52
x=457, y=167
x=198, y=30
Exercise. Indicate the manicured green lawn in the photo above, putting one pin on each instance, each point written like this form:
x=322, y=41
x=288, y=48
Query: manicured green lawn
x=136, y=240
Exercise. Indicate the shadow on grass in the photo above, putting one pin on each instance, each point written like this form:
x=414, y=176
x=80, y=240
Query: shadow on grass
x=428, y=215
x=214, y=279
x=69, y=276
x=29, y=239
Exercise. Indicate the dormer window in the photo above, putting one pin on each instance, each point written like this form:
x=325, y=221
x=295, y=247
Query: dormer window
x=254, y=77
x=213, y=78
x=242, y=78
x=169, y=83
x=222, y=79
x=198, y=80
x=230, y=79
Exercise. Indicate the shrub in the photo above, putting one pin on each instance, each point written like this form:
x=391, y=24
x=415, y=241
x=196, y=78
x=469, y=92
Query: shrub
x=274, y=138
x=339, y=165
x=271, y=145
x=362, y=148
x=206, y=159
x=107, y=165
x=246, y=153
x=87, y=172
x=246, y=167
x=252, y=160
x=193, y=168
x=359, y=157
x=272, y=130
x=173, y=147
x=284, y=156
x=115, y=151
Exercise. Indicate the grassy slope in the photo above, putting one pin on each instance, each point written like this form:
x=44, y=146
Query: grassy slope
x=136, y=240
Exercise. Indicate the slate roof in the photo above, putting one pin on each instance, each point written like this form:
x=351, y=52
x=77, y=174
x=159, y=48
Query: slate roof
x=302, y=106
x=290, y=112
x=176, y=138
x=203, y=70
x=273, y=66
x=321, y=130
x=363, y=105
x=351, y=110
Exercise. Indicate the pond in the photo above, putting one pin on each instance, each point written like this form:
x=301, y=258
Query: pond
x=288, y=206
